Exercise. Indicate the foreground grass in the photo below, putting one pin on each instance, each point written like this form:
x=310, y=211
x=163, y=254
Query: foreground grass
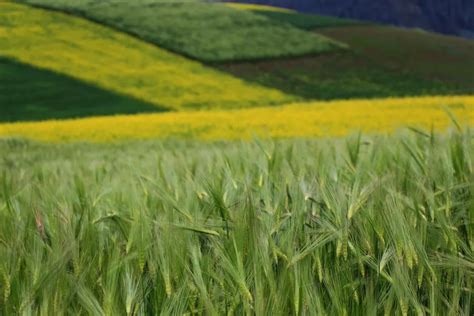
x=120, y=63
x=358, y=226
x=336, y=118
x=209, y=32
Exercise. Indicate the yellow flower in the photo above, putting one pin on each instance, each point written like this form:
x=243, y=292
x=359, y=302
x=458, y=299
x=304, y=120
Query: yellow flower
x=257, y=7
x=314, y=119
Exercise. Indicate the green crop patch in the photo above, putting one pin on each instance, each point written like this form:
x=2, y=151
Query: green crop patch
x=209, y=32
x=383, y=62
x=425, y=54
x=28, y=93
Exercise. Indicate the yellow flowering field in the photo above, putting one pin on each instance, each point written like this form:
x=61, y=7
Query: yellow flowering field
x=257, y=7
x=121, y=63
x=316, y=119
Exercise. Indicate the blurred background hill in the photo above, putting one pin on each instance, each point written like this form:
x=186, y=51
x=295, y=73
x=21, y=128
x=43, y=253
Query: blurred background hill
x=454, y=17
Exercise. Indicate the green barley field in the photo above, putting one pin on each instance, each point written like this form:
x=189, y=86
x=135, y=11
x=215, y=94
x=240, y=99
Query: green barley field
x=364, y=225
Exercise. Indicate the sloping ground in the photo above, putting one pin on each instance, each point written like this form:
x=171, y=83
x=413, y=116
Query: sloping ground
x=120, y=63
x=300, y=20
x=383, y=61
x=316, y=119
x=209, y=32
x=28, y=93
x=429, y=55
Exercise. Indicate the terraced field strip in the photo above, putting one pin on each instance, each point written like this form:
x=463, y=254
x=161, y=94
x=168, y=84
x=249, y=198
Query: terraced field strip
x=317, y=119
x=118, y=62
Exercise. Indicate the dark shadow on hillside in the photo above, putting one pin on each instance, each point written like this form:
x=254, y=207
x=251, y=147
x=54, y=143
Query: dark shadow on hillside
x=29, y=94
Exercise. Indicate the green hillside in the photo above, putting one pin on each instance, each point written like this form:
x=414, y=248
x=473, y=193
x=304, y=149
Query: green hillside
x=28, y=93
x=382, y=61
x=73, y=47
x=116, y=73
x=209, y=32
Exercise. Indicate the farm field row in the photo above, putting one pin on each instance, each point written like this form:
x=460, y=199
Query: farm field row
x=315, y=119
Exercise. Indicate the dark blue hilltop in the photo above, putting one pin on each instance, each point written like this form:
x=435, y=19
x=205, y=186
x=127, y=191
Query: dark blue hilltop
x=455, y=17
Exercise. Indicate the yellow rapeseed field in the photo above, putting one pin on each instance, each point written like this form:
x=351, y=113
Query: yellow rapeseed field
x=256, y=7
x=314, y=119
x=115, y=61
